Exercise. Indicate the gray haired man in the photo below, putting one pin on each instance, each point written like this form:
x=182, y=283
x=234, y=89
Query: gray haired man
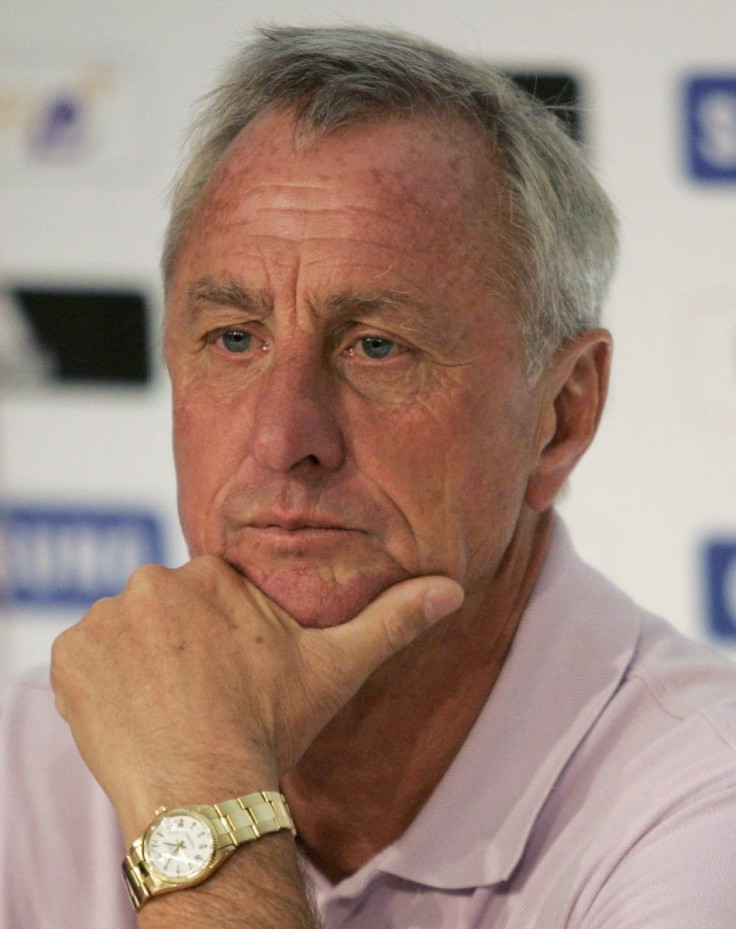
x=384, y=692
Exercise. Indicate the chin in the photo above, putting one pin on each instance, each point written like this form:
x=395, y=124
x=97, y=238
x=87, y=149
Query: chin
x=316, y=605
x=319, y=603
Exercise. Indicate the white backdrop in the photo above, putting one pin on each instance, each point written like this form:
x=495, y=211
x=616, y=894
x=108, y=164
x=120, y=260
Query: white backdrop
x=660, y=484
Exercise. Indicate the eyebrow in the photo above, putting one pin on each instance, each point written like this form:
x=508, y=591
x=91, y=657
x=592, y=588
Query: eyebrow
x=405, y=309
x=207, y=292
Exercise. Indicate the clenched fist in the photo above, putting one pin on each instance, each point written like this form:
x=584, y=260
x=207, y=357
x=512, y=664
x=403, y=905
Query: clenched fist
x=192, y=686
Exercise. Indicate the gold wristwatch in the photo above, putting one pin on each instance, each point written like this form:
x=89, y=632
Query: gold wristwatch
x=184, y=846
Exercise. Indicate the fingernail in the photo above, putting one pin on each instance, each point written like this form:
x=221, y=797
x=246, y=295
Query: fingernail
x=442, y=600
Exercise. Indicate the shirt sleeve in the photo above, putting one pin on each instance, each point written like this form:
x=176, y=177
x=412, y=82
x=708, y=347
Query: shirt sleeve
x=60, y=846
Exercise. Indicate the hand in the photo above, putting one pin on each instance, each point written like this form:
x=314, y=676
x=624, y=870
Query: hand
x=192, y=686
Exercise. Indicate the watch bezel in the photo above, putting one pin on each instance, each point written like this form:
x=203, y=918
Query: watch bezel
x=193, y=877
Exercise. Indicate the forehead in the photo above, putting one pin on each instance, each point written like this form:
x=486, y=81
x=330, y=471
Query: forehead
x=410, y=204
x=426, y=158
x=414, y=168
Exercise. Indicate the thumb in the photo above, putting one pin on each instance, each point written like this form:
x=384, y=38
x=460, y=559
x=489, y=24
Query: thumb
x=393, y=620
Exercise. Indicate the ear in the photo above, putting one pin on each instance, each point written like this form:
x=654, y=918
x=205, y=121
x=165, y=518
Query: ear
x=573, y=396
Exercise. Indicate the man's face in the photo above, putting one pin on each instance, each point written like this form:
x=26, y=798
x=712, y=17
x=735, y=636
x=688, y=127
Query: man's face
x=350, y=407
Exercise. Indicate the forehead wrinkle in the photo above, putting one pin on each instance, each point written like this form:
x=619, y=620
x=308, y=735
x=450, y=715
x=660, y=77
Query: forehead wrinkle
x=318, y=199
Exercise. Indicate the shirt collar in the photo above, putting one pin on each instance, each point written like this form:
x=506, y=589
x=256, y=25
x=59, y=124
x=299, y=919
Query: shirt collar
x=573, y=645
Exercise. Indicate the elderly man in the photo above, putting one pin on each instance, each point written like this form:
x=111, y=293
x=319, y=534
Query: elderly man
x=384, y=692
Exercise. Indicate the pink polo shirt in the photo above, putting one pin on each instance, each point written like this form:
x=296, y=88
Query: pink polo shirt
x=597, y=790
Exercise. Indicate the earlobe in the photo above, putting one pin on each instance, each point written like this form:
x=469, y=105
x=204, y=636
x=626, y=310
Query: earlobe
x=574, y=397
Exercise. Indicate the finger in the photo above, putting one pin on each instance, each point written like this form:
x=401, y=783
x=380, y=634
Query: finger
x=393, y=620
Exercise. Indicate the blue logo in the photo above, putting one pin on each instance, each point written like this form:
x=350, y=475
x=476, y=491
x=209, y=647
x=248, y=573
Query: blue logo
x=70, y=557
x=61, y=127
x=720, y=570
x=711, y=128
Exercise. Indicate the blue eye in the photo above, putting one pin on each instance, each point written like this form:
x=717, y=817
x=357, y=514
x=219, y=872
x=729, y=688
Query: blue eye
x=236, y=340
x=376, y=347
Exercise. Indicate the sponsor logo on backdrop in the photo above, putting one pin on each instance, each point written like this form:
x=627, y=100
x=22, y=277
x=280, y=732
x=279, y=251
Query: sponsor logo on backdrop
x=720, y=575
x=69, y=557
x=60, y=109
x=710, y=120
x=104, y=338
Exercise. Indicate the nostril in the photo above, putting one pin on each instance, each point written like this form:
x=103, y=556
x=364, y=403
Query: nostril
x=286, y=437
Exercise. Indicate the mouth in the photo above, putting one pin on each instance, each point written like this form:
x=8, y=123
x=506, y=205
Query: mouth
x=263, y=533
x=264, y=548
x=295, y=533
x=295, y=525
x=321, y=567
x=297, y=538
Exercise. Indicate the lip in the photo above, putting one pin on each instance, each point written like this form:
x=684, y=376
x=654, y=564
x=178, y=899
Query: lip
x=300, y=539
x=296, y=523
x=295, y=539
x=295, y=526
x=300, y=530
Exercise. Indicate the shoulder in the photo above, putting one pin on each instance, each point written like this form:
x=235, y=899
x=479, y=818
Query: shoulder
x=688, y=682
x=664, y=746
x=637, y=828
x=37, y=747
x=29, y=695
x=656, y=780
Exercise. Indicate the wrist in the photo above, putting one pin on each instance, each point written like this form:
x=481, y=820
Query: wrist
x=184, y=846
x=136, y=810
x=262, y=886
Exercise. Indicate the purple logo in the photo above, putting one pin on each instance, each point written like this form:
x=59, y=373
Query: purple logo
x=58, y=556
x=710, y=115
x=60, y=130
x=720, y=578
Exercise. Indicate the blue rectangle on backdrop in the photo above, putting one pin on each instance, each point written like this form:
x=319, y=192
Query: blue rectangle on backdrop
x=720, y=577
x=69, y=556
x=710, y=119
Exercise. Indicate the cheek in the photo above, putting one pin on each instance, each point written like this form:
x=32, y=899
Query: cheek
x=189, y=475
x=205, y=446
x=431, y=463
x=209, y=431
x=458, y=475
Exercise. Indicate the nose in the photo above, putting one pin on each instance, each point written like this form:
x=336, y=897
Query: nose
x=295, y=419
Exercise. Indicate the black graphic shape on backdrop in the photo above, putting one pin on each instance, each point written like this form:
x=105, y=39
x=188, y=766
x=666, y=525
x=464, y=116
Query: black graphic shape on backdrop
x=91, y=335
x=559, y=91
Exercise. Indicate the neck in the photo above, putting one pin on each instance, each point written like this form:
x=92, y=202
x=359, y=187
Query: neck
x=374, y=766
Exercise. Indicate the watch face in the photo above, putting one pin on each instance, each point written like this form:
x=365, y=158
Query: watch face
x=179, y=846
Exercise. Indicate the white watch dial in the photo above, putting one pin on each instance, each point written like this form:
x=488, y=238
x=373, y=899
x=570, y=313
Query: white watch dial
x=180, y=846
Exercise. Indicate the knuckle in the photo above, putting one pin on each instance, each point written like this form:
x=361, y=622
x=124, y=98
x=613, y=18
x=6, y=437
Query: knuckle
x=147, y=576
x=64, y=661
x=58, y=658
x=210, y=573
x=398, y=631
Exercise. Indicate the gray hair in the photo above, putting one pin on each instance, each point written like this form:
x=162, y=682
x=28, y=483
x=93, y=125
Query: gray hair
x=561, y=229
